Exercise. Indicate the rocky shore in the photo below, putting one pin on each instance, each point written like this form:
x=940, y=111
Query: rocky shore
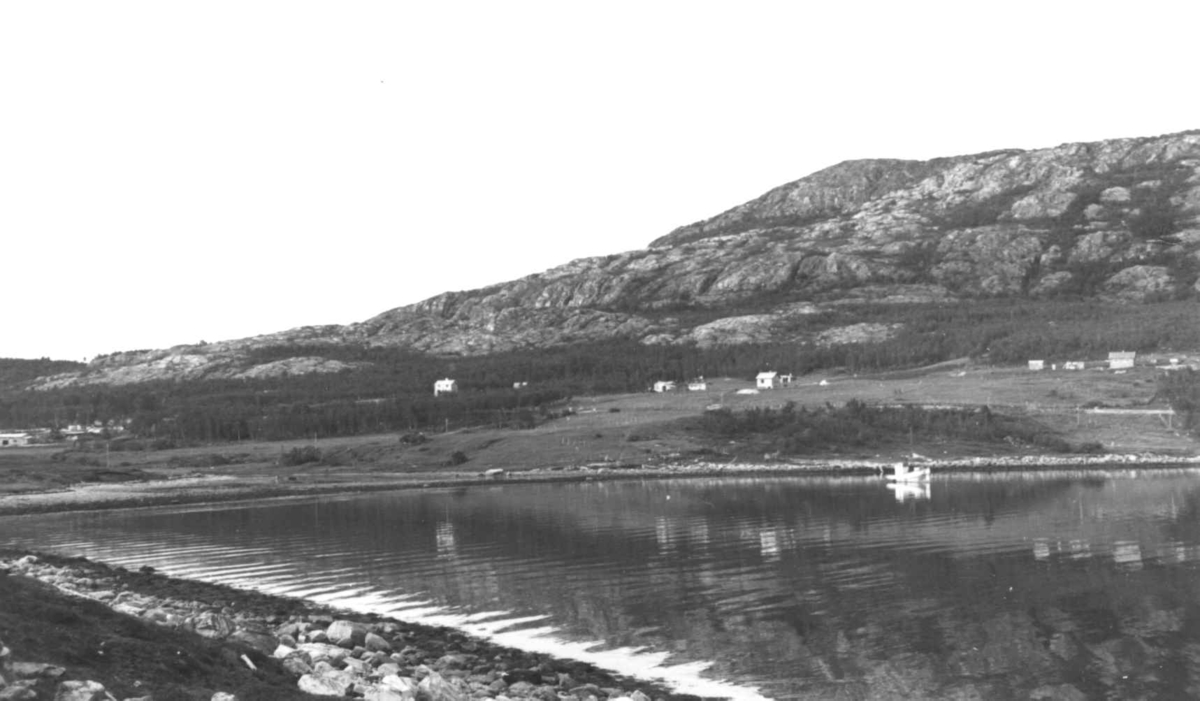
x=272, y=647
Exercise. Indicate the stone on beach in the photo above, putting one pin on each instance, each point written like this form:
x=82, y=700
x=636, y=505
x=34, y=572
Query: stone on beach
x=382, y=694
x=81, y=691
x=377, y=643
x=35, y=670
x=19, y=691
x=329, y=683
x=263, y=642
x=347, y=634
x=435, y=687
x=213, y=625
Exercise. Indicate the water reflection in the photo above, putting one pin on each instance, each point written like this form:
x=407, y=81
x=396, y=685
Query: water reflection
x=979, y=586
x=910, y=490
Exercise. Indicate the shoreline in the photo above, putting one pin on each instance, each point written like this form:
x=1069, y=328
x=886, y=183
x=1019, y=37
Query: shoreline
x=205, y=489
x=255, y=625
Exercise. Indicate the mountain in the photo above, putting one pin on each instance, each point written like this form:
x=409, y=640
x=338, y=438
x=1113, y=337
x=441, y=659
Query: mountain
x=1115, y=220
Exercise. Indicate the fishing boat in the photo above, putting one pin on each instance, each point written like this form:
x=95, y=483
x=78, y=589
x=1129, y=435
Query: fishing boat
x=905, y=471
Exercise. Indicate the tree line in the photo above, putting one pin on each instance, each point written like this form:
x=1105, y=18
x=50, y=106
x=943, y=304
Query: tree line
x=391, y=389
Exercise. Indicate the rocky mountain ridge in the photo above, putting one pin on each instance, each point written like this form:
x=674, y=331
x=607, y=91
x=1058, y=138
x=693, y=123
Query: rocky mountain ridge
x=1117, y=220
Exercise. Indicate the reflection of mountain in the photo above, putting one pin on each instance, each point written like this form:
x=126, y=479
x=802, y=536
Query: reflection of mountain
x=805, y=586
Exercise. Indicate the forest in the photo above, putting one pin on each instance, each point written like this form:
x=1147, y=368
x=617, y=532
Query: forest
x=392, y=388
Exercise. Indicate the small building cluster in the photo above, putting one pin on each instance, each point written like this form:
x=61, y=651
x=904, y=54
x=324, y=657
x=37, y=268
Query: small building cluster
x=1117, y=360
x=444, y=386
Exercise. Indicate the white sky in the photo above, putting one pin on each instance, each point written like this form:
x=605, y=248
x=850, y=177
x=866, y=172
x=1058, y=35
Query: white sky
x=178, y=171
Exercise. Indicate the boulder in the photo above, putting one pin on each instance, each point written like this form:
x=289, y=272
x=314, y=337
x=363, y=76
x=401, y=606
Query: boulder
x=405, y=686
x=297, y=665
x=347, y=634
x=376, y=643
x=263, y=642
x=213, y=625
x=435, y=687
x=315, y=652
x=19, y=691
x=326, y=684
x=36, y=670
x=380, y=694
x=80, y=691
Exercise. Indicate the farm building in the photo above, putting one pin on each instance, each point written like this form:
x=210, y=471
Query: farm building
x=1037, y=365
x=772, y=380
x=13, y=440
x=1119, y=360
x=698, y=385
x=446, y=386
x=664, y=386
x=1074, y=365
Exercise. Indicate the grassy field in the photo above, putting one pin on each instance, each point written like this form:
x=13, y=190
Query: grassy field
x=639, y=429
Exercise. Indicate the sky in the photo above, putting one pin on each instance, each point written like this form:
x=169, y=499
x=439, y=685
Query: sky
x=172, y=172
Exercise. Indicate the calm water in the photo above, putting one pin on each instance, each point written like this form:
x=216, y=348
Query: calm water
x=971, y=587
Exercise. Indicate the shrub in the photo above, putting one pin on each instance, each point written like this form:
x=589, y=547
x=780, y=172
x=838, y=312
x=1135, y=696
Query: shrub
x=300, y=456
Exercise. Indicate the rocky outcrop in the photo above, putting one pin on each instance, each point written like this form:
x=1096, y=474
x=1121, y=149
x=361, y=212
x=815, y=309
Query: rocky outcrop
x=1118, y=220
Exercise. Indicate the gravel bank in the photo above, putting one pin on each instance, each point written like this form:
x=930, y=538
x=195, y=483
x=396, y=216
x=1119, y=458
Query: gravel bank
x=321, y=651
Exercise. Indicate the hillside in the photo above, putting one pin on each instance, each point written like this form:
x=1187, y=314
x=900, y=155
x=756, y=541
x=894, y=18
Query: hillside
x=1115, y=221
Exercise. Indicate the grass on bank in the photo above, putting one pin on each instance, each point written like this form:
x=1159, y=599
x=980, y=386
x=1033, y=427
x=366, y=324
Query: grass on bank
x=793, y=430
x=130, y=657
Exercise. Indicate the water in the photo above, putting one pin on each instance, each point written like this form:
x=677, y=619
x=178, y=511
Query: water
x=969, y=587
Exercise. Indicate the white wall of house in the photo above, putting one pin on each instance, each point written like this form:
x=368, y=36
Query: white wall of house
x=13, y=440
x=1121, y=360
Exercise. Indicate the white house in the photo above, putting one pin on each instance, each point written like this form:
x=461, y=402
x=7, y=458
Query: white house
x=664, y=386
x=446, y=386
x=1037, y=365
x=772, y=380
x=1120, y=360
x=13, y=440
x=1074, y=365
x=698, y=385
